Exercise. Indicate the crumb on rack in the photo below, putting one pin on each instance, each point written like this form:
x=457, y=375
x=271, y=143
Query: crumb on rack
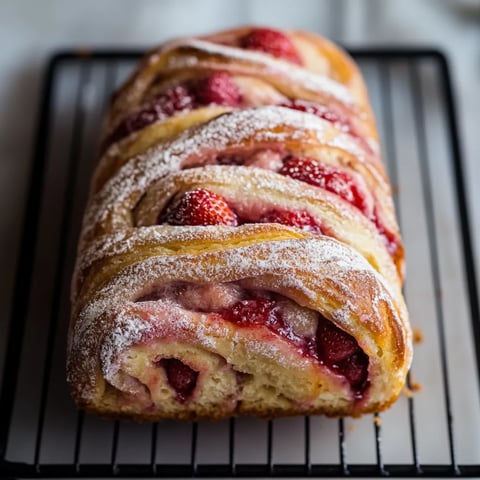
x=407, y=392
x=417, y=335
x=412, y=387
x=377, y=421
x=415, y=386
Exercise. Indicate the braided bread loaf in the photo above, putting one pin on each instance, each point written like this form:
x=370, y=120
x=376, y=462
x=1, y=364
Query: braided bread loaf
x=239, y=251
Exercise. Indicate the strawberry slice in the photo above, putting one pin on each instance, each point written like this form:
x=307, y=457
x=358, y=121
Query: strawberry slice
x=200, y=207
x=300, y=219
x=320, y=111
x=180, y=376
x=218, y=88
x=334, y=345
x=272, y=42
x=325, y=176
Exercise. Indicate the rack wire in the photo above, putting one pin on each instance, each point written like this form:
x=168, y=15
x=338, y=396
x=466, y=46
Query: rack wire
x=435, y=432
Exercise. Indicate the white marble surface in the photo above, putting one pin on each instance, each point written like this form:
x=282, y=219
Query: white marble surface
x=30, y=30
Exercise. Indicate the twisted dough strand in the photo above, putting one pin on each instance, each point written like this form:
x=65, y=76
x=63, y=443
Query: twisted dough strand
x=191, y=321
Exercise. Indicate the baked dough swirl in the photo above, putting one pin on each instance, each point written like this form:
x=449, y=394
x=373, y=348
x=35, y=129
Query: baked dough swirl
x=239, y=252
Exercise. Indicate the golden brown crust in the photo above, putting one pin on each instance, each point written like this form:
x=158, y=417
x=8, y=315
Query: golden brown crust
x=265, y=191
x=199, y=55
x=263, y=128
x=323, y=271
x=117, y=339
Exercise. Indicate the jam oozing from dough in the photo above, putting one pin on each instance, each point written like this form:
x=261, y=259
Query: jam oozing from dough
x=342, y=184
x=327, y=177
x=215, y=89
x=311, y=334
x=340, y=352
x=333, y=347
x=331, y=178
x=180, y=376
x=272, y=42
x=204, y=207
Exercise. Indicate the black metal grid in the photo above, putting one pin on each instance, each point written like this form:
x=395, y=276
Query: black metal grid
x=35, y=467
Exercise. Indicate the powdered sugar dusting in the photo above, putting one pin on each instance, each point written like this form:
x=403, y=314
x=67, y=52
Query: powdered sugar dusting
x=126, y=331
x=310, y=80
x=328, y=268
x=319, y=273
x=263, y=125
x=125, y=241
x=248, y=190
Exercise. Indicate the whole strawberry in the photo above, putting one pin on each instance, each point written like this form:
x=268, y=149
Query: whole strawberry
x=273, y=42
x=218, y=88
x=200, y=207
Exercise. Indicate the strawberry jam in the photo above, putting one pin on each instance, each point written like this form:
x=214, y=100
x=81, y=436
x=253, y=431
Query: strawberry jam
x=333, y=347
x=180, y=376
x=216, y=89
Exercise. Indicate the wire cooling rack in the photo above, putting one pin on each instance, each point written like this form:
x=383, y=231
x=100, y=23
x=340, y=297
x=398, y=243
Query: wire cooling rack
x=434, y=432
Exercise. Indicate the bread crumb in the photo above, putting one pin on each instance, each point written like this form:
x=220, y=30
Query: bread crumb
x=415, y=386
x=412, y=387
x=417, y=335
x=407, y=392
x=377, y=421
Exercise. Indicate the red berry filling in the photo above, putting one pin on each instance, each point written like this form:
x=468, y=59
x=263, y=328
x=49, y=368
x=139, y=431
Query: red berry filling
x=200, y=207
x=181, y=377
x=320, y=111
x=300, y=219
x=204, y=207
x=340, y=351
x=336, y=181
x=231, y=159
x=260, y=311
x=389, y=238
x=333, y=347
x=272, y=42
x=355, y=369
x=325, y=176
x=257, y=311
x=218, y=88
x=311, y=334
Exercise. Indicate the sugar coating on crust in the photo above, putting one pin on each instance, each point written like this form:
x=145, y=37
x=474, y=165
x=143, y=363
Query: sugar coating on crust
x=261, y=123
x=297, y=74
x=271, y=265
x=123, y=261
x=123, y=241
